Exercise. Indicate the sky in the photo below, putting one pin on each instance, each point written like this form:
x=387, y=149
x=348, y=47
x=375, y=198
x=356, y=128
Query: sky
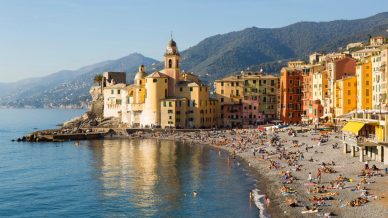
x=40, y=37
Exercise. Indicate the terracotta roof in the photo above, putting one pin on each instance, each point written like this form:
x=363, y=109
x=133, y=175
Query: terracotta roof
x=156, y=74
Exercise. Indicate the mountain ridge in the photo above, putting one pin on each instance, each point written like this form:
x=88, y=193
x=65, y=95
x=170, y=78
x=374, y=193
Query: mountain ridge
x=213, y=57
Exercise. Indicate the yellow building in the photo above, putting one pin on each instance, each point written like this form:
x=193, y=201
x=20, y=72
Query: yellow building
x=364, y=84
x=166, y=98
x=345, y=95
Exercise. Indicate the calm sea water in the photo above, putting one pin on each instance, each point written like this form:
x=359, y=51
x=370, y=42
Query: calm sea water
x=114, y=178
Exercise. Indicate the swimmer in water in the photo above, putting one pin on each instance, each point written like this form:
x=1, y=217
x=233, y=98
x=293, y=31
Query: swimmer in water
x=266, y=198
x=250, y=196
x=195, y=194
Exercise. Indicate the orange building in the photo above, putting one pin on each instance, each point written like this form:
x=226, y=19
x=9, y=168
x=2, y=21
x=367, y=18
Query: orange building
x=291, y=81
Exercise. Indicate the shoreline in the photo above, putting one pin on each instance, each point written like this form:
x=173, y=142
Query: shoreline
x=273, y=162
x=270, y=180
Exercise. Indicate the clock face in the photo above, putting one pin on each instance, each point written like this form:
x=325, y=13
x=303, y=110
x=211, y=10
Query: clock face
x=169, y=49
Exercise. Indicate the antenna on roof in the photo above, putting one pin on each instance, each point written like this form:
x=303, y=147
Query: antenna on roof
x=171, y=34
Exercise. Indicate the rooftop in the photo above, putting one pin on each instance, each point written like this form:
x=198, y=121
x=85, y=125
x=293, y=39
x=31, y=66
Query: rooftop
x=157, y=74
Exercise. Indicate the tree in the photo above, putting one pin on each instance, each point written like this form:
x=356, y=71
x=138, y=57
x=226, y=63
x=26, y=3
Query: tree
x=98, y=79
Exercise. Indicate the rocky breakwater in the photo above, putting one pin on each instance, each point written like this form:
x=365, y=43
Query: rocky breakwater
x=87, y=126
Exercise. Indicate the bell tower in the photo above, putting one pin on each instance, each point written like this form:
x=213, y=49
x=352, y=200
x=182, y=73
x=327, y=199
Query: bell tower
x=171, y=66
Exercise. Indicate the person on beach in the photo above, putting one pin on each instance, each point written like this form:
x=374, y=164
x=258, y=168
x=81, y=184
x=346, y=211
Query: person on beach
x=366, y=166
x=319, y=176
x=310, y=177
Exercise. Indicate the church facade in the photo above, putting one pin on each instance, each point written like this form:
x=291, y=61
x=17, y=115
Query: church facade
x=168, y=98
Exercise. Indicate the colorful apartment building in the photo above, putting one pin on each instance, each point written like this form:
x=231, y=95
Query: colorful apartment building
x=247, y=99
x=345, y=95
x=291, y=85
x=320, y=86
x=364, y=84
x=337, y=68
x=384, y=76
x=312, y=107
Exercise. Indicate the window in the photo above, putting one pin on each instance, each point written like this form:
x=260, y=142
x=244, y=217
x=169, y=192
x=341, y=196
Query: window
x=112, y=91
x=222, y=91
x=290, y=81
x=181, y=89
x=349, y=92
x=222, y=99
x=232, y=84
x=165, y=80
x=191, y=89
x=272, y=82
x=165, y=93
x=170, y=104
x=367, y=92
x=222, y=83
x=169, y=63
x=237, y=93
x=154, y=80
x=164, y=104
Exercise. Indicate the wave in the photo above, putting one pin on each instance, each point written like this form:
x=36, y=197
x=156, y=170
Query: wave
x=259, y=202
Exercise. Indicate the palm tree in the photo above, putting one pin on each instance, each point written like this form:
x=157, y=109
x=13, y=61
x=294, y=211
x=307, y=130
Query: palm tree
x=98, y=79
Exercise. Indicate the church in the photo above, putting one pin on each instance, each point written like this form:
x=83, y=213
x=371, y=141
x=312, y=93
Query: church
x=167, y=98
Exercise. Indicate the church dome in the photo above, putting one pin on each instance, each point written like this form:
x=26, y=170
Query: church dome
x=141, y=73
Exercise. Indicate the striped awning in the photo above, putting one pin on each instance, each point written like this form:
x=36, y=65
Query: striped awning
x=353, y=127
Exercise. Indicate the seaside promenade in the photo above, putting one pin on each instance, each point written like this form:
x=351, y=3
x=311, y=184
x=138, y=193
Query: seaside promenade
x=339, y=184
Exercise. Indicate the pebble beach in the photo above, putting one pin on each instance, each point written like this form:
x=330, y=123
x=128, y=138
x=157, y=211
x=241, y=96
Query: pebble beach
x=339, y=185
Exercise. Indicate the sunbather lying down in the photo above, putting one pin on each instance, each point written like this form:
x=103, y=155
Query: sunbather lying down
x=292, y=202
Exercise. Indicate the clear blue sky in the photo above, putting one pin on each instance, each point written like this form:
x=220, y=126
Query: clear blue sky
x=39, y=37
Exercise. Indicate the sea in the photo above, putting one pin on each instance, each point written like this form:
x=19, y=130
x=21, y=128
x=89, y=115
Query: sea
x=116, y=177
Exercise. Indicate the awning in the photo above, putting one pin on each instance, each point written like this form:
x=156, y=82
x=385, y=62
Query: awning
x=353, y=127
x=368, y=144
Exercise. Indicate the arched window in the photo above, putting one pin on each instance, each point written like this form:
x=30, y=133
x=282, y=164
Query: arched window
x=169, y=63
